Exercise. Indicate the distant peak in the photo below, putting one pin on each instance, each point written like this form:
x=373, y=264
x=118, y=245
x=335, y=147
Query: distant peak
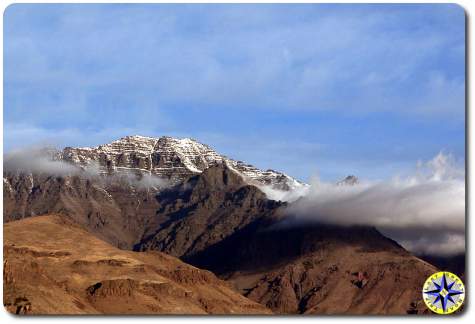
x=348, y=181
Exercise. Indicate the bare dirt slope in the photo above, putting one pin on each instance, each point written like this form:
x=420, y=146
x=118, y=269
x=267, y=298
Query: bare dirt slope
x=53, y=266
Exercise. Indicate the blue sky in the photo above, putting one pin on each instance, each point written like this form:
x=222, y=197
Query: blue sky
x=306, y=89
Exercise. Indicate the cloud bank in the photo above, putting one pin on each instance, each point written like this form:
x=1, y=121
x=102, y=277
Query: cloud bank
x=425, y=212
x=40, y=160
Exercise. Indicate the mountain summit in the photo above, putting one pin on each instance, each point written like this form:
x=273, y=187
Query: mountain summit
x=170, y=158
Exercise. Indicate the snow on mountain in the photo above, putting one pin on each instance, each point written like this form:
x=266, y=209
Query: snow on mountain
x=171, y=158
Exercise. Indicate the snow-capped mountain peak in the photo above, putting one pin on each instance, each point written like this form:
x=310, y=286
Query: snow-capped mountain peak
x=171, y=158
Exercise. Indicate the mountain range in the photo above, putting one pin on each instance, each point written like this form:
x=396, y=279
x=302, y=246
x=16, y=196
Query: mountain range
x=145, y=203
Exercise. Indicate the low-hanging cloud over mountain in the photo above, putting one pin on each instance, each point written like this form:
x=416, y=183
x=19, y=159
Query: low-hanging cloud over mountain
x=424, y=212
x=38, y=160
x=41, y=160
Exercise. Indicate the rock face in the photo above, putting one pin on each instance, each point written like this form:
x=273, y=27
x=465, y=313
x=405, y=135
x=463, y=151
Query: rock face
x=169, y=158
x=203, y=211
x=52, y=266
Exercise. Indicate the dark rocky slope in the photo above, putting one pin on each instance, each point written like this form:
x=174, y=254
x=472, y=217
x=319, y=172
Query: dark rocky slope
x=181, y=220
x=203, y=211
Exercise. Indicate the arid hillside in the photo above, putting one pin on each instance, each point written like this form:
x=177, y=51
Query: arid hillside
x=53, y=266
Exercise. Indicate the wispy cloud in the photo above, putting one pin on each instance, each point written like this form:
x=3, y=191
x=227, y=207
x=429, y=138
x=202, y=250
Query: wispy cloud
x=40, y=160
x=203, y=55
x=37, y=160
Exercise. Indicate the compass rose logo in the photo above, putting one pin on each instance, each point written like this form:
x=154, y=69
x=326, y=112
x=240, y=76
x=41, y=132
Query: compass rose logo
x=443, y=292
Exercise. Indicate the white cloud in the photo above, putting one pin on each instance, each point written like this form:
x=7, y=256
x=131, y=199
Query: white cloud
x=425, y=212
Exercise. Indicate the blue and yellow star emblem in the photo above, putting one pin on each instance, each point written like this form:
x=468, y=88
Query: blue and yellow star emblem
x=443, y=292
